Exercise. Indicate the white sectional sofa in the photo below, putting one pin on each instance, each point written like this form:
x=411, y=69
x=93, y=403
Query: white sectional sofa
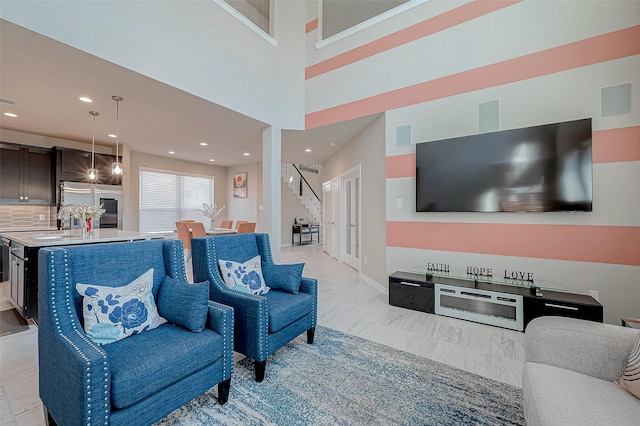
x=570, y=373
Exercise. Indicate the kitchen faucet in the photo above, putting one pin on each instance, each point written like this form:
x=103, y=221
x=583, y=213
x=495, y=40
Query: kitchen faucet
x=77, y=208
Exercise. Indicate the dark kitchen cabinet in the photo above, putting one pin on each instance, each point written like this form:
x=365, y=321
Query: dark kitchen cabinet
x=26, y=175
x=73, y=166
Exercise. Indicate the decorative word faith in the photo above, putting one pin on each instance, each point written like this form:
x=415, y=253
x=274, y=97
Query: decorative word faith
x=438, y=267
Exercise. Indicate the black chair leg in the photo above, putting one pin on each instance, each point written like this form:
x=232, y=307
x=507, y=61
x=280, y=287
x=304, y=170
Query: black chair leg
x=260, y=367
x=223, y=391
x=310, y=335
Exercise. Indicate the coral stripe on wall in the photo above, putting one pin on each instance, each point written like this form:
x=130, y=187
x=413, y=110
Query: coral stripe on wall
x=615, y=145
x=311, y=25
x=594, y=50
x=582, y=243
x=399, y=166
x=457, y=16
x=609, y=146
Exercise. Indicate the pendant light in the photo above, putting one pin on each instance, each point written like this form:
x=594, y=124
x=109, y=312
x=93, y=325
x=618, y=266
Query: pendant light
x=116, y=168
x=93, y=172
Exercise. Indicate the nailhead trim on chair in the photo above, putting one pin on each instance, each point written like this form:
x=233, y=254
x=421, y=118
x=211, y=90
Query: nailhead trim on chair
x=264, y=343
x=224, y=341
x=82, y=335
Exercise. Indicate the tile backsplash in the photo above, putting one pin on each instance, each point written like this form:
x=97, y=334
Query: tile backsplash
x=16, y=216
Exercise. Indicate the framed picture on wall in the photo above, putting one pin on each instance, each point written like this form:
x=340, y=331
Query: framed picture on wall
x=240, y=185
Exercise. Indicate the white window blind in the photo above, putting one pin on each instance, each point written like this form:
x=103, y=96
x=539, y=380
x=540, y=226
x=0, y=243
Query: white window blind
x=167, y=197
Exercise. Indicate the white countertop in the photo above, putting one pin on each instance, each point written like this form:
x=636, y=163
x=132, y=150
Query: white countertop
x=73, y=237
x=32, y=228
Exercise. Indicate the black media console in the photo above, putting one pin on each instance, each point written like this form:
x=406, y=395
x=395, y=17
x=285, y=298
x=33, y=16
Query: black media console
x=504, y=305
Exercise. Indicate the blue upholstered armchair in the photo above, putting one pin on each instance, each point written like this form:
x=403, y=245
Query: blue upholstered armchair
x=263, y=323
x=138, y=379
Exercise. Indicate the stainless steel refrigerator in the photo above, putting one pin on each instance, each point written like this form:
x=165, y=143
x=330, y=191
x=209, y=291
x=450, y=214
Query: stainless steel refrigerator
x=109, y=196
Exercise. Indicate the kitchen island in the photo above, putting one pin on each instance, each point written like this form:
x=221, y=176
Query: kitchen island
x=23, y=265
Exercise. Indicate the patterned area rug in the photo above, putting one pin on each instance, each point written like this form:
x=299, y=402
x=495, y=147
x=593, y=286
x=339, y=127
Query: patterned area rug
x=346, y=380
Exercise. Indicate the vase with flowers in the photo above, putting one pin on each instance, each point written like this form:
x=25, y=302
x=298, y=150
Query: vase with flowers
x=211, y=211
x=88, y=213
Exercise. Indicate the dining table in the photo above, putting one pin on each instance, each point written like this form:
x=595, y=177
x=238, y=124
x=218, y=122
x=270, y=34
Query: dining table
x=221, y=231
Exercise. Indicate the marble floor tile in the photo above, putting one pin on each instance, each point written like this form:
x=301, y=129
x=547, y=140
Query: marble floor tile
x=346, y=302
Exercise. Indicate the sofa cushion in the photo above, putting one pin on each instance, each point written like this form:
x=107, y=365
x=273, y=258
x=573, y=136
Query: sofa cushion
x=184, y=303
x=144, y=364
x=283, y=277
x=113, y=313
x=286, y=308
x=555, y=396
x=630, y=380
x=244, y=276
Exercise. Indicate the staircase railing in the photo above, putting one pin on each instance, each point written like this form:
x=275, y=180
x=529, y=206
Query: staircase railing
x=303, y=190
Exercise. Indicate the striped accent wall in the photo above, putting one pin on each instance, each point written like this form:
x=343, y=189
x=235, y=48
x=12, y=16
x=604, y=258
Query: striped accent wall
x=556, y=75
x=449, y=19
x=606, y=47
x=587, y=243
x=311, y=26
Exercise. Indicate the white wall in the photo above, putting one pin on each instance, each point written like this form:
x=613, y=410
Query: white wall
x=192, y=45
x=367, y=149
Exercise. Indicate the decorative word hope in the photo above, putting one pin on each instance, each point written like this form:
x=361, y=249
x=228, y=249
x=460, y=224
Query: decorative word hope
x=479, y=272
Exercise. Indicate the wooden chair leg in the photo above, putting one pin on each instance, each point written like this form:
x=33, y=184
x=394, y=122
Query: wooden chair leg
x=223, y=391
x=310, y=335
x=260, y=367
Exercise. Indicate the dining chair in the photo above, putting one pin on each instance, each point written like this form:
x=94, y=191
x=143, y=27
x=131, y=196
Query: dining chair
x=247, y=228
x=197, y=229
x=240, y=222
x=227, y=224
x=184, y=235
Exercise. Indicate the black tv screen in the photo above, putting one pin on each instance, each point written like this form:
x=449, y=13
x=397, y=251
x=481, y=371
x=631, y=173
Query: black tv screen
x=541, y=168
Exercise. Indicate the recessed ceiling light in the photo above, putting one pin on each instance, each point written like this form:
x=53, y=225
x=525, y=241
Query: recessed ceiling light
x=172, y=152
x=111, y=135
x=307, y=150
x=211, y=159
x=204, y=143
x=10, y=114
x=85, y=99
x=332, y=144
x=246, y=154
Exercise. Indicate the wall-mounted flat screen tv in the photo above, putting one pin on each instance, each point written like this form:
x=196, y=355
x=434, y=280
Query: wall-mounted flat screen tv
x=534, y=169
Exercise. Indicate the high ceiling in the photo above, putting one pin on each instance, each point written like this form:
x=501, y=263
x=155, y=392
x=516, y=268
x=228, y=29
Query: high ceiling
x=45, y=78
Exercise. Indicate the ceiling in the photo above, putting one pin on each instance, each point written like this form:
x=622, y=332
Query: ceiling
x=45, y=78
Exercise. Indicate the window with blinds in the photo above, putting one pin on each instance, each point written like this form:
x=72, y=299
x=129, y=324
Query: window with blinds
x=167, y=197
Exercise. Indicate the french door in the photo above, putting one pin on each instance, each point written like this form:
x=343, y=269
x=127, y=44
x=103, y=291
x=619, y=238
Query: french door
x=330, y=204
x=350, y=226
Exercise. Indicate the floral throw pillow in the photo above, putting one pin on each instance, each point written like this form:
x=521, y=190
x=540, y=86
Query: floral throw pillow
x=245, y=277
x=113, y=313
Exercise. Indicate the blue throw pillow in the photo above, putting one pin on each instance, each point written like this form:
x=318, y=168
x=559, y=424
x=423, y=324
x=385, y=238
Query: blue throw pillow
x=283, y=277
x=184, y=304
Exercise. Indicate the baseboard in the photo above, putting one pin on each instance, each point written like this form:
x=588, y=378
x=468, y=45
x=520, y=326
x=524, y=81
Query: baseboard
x=374, y=283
